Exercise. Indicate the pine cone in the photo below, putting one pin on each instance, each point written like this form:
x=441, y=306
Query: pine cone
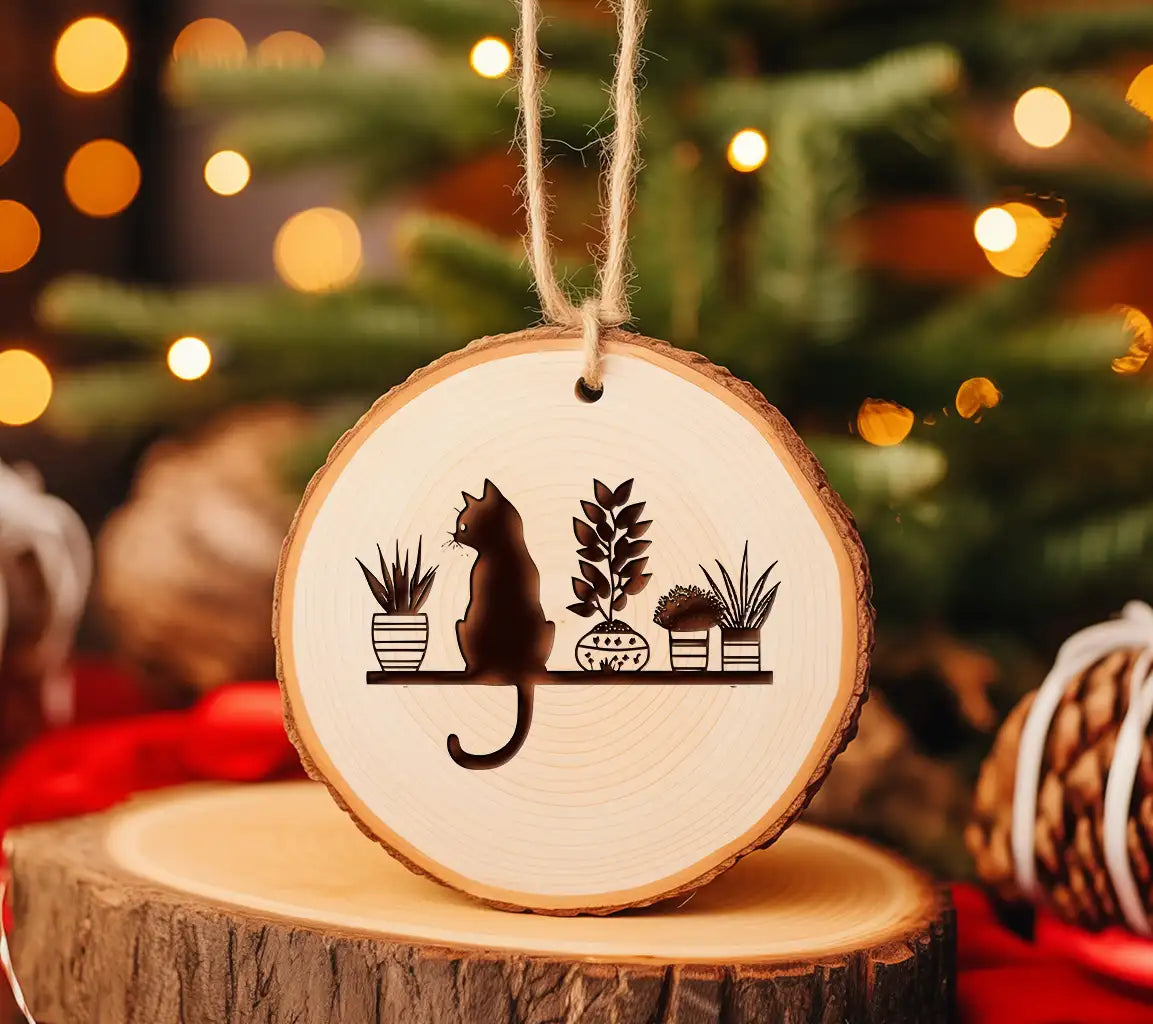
x=1071, y=871
x=45, y=570
x=187, y=565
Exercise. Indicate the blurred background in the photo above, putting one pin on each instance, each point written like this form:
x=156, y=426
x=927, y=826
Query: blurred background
x=923, y=229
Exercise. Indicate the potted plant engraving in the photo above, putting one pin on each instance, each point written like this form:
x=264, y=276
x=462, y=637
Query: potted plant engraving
x=688, y=613
x=744, y=613
x=612, y=560
x=400, y=628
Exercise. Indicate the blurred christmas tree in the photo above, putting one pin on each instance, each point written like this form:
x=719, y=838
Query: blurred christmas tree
x=813, y=175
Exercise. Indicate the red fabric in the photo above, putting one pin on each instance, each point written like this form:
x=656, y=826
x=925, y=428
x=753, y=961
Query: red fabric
x=236, y=734
x=1004, y=978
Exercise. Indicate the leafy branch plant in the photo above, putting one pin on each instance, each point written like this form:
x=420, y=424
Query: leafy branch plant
x=611, y=553
x=744, y=609
x=398, y=591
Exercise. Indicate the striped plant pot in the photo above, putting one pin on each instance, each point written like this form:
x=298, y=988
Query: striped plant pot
x=399, y=641
x=740, y=650
x=689, y=649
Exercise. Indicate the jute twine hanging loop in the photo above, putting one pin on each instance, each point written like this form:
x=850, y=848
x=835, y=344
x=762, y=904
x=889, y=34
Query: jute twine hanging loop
x=609, y=305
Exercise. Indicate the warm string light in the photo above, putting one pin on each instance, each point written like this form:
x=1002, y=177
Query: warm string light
x=91, y=55
x=1139, y=95
x=1042, y=117
x=210, y=41
x=1034, y=232
x=289, y=49
x=318, y=250
x=995, y=229
x=9, y=133
x=189, y=358
x=25, y=387
x=1140, y=331
x=19, y=235
x=884, y=423
x=748, y=150
x=102, y=178
x=226, y=172
x=491, y=58
x=975, y=395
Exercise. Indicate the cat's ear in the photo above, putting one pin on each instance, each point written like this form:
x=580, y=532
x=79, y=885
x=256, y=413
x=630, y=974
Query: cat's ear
x=489, y=488
x=468, y=498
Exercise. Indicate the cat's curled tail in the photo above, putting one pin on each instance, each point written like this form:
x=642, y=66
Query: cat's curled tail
x=524, y=698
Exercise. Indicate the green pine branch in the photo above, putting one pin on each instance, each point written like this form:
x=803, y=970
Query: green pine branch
x=251, y=319
x=395, y=125
x=852, y=100
x=869, y=477
x=481, y=284
x=1066, y=37
x=567, y=36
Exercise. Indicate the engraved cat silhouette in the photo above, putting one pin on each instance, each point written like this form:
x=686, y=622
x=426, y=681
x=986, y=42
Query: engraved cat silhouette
x=504, y=636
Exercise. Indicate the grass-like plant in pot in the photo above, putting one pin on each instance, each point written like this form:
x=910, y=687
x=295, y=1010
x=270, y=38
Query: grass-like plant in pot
x=688, y=613
x=745, y=609
x=400, y=628
x=612, y=558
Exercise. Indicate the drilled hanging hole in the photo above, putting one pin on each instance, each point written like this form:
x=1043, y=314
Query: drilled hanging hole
x=586, y=392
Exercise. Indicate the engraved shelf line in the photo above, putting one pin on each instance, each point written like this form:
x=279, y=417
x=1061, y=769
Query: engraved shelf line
x=575, y=678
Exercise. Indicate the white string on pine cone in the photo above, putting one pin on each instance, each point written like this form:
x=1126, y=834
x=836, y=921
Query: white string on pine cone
x=1133, y=630
x=609, y=307
x=31, y=520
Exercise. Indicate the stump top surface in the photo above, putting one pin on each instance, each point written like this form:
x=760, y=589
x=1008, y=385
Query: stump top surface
x=287, y=850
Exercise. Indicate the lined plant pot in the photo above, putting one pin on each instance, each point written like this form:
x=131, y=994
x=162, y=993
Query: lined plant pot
x=740, y=650
x=689, y=650
x=399, y=641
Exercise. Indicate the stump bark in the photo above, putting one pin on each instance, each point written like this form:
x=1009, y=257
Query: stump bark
x=265, y=904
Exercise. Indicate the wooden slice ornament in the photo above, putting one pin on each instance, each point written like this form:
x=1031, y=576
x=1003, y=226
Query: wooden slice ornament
x=619, y=620
x=572, y=656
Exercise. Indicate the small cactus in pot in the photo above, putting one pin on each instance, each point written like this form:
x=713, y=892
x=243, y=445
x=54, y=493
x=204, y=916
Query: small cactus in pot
x=688, y=613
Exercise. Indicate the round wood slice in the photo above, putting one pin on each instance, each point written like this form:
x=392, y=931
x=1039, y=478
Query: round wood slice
x=625, y=780
x=264, y=904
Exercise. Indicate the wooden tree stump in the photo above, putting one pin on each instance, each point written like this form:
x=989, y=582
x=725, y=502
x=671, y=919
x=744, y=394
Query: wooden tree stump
x=265, y=904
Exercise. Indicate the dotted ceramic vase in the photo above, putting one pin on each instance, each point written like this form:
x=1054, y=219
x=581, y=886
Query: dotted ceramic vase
x=612, y=647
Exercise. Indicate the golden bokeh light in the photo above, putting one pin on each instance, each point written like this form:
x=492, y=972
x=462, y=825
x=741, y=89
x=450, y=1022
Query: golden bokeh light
x=19, y=235
x=884, y=423
x=102, y=178
x=91, y=55
x=491, y=58
x=995, y=229
x=1140, y=92
x=25, y=387
x=975, y=394
x=318, y=250
x=1140, y=332
x=1034, y=233
x=210, y=41
x=289, y=49
x=9, y=133
x=748, y=150
x=226, y=172
x=1042, y=117
x=189, y=358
